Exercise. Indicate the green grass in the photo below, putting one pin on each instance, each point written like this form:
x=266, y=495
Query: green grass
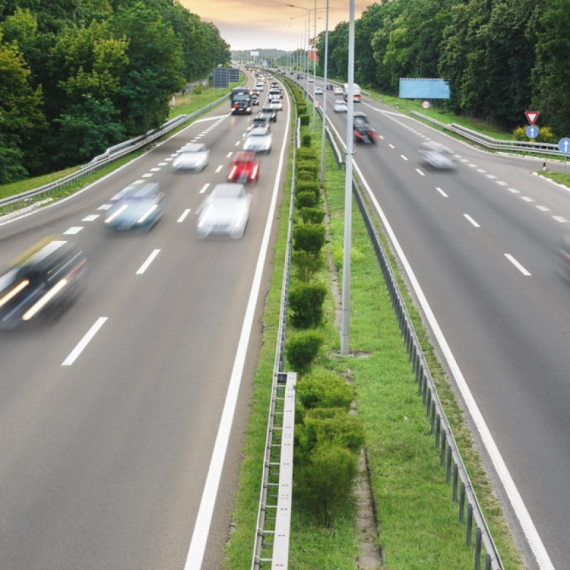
x=7, y=190
x=559, y=177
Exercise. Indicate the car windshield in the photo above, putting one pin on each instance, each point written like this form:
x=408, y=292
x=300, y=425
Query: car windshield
x=241, y=97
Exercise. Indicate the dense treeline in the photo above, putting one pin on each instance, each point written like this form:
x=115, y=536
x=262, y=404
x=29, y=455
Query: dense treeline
x=502, y=57
x=78, y=76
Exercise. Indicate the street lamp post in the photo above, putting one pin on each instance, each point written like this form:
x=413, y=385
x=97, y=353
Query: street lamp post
x=325, y=96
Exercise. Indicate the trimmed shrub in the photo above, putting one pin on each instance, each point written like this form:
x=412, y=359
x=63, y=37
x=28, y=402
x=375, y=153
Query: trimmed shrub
x=306, y=303
x=307, y=264
x=304, y=153
x=306, y=141
x=302, y=349
x=305, y=119
x=306, y=175
x=305, y=199
x=341, y=428
x=309, y=237
x=325, y=390
x=545, y=135
x=308, y=186
x=301, y=108
x=324, y=484
x=309, y=165
x=312, y=215
x=198, y=89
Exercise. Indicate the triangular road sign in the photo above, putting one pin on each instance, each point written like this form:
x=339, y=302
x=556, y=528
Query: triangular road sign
x=532, y=116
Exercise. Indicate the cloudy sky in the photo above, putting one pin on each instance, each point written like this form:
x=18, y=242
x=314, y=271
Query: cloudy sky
x=250, y=24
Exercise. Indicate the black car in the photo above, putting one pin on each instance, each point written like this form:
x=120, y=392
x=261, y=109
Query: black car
x=268, y=112
x=41, y=282
x=363, y=132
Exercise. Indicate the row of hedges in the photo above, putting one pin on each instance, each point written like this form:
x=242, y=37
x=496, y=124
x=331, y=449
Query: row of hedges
x=328, y=438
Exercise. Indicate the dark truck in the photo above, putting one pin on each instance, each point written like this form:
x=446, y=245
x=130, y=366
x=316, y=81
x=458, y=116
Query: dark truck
x=241, y=101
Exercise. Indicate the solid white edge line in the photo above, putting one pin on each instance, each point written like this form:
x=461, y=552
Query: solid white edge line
x=149, y=260
x=517, y=264
x=471, y=220
x=183, y=216
x=204, y=518
x=84, y=342
x=521, y=512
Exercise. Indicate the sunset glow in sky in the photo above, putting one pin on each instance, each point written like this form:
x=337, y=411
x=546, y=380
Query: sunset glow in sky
x=250, y=24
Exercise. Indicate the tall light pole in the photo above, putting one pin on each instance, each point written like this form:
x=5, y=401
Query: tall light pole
x=325, y=96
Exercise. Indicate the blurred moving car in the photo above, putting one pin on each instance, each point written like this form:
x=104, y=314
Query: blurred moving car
x=562, y=257
x=41, y=282
x=138, y=209
x=224, y=212
x=258, y=139
x=437, y=156
x=318, y=90
x=268, y=112
x=255, y=99
x=260, y=121
x=329, y=87
x=192, y=156
x=338, y=91
x=340, y=106
x=363, y=132
x=276, y=105
x=244, y=168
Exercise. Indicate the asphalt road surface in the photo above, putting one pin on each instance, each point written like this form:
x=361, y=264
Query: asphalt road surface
x=106, y=448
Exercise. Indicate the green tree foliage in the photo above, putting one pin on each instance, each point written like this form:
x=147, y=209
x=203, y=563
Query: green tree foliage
x=306, y=305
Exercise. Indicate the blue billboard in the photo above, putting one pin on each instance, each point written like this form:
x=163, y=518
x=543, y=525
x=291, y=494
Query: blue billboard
x=424, y=89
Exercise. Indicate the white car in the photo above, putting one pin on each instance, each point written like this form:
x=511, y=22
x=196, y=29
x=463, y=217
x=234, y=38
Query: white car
x=276, y=104
x=340, y=106
x=311, y=79
x=258, y=140
x=224, y=212
x=192, y=156
x=437, y=156
x=338, y=91
x=260, y=85
x=318, y=90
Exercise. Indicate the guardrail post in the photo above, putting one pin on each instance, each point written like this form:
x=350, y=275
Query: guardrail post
x=455, y=478
x=477, y=548
x=462, y=502
x=469, y=524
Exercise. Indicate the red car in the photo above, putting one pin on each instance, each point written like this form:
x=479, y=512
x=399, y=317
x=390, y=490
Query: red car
x=244, y=168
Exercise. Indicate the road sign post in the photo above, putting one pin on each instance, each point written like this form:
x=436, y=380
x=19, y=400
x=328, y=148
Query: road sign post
x=564, y=147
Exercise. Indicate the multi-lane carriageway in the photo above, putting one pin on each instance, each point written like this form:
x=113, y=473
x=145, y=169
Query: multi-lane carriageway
x=477, y=247
x=121, y=423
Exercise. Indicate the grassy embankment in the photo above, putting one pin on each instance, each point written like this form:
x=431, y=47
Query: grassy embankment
x=186, y=104
x=418, y=522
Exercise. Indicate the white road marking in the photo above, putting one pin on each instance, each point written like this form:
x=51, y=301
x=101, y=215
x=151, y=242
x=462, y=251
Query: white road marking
x=464, y=160
x=149, y=260
x=514, y=191
x=72, y=231
x=105, y=207
x=90, y=218
x=147, y=175
x=543, y=208
x=481, y=170
x=501, y=183
x=380, y=137
x=204, y=518
x=229, y=154
x=491, y=176
x=155, y=169
x=527, y=199
x=457, y=156
x=162, y=163
x=442, y=192
x=219, y=168
x=205, y=187
x=560, y=219
x=472, y=165
x=420, y=172
x=238, y=143
x=183, y=216
x=168, y=159
x=391, y=146
x=405, y=158
x=517, y=264
x=471, y=220
x=173, y=155
x=84, y=342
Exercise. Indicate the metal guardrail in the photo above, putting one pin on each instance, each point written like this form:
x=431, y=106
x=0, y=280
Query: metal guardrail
x=274, y=511
x=110, y=155
x=492, y=143
x=450, y=457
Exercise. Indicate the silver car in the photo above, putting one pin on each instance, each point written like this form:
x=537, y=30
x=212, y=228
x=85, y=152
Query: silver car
x=258, y=140
x=437, y=156
x=224, y=212
x=192, y=156
x=276, y=104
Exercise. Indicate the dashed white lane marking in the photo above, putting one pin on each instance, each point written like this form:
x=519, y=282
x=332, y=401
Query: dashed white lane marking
x=168, y=159
x=229, y=154
x=514, y=191
x=491, y=176
x=456, y=156
x=162, y=163
x=380, y=137
x=173, y=155
x=442, y=192
x=238, y=143
x=517, y=264
x=501, y=183
x=73, y=231
x=464, y=160
x=219, y=168
x=481, y=170
x=560, y=219
x=155, y=169
x=527, y=199
x=472, y=165
x=84, y=342
x=391, y=146
x=90, y=218
x=105, y=207
x=543, y=208
x=149, y=260
x=471, y=220
x=404, y=157
x=420, y=172
x=183, y=216
x=205, y=187
x=147, y=175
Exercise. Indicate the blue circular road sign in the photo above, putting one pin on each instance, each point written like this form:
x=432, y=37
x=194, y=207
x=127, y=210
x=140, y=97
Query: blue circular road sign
x=564, y=145
x=532, y=132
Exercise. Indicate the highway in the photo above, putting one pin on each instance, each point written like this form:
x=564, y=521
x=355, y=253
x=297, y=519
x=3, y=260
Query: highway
x=106, y=446
x=478, y=244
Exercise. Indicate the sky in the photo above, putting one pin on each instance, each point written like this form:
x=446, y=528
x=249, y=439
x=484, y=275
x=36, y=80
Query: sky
x=250, y=24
